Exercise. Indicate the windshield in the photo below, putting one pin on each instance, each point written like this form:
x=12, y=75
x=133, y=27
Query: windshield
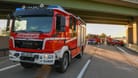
x=33, y=24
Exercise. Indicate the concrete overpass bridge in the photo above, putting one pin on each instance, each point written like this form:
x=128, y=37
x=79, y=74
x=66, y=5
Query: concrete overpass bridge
x=122, y=12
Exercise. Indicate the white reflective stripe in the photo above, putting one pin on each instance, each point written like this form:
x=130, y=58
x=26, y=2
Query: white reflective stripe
x=29, y=39
x=71, y=39
x=44, y=43
x=12, y=41
x=54, y=38
x=51, y=39
x=59, y=38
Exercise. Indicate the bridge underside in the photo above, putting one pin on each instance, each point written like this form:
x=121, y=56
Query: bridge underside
x=104, y=18
x=90, y=11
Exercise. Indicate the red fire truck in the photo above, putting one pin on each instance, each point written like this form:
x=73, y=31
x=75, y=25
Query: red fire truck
x=46, y=36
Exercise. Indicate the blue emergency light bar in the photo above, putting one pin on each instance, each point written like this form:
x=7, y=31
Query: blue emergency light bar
x=49, y=7
x=55, y=7
x=18, y=9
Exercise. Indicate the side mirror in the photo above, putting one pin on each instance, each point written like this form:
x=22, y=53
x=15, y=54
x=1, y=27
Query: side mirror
x=60, y=23
x=8, y=23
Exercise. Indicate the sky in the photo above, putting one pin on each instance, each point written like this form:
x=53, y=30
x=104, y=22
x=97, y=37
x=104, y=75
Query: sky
x=108, y=29
x=2, y=23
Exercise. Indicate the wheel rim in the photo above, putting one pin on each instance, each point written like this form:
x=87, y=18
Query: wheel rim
x=65, y=61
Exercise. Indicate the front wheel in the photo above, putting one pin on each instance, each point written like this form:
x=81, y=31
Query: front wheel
x=63, y=64
x=26, y=65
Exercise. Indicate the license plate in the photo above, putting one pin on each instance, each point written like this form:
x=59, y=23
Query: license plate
x=27, y=54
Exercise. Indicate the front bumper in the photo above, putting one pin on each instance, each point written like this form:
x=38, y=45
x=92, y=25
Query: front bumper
x=38, y=58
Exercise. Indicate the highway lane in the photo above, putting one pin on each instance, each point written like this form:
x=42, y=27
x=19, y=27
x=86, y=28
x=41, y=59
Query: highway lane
x=110, y=62
x=106, y=62
x=4, y=62
x=45, y=71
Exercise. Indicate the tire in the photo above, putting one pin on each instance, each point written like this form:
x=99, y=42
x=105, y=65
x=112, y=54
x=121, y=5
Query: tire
x=26, y=65
x=63, y=64
x=79, y=56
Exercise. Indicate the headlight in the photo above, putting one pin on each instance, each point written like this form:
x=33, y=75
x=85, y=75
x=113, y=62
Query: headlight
x=47, y=56
x=50, y=56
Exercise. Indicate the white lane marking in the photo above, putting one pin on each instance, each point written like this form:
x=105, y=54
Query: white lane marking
x=9, y=67
x=126, y=53
x=122, y=50
x=84, y=69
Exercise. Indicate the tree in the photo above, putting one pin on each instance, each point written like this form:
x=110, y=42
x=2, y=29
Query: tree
x=103, y=35
x=4, y=32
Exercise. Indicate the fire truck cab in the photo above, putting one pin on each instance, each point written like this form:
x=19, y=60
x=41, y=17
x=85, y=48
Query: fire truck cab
x=46, y=36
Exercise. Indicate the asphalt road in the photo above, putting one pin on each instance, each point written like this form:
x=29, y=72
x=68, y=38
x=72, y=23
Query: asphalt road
x=104, y=62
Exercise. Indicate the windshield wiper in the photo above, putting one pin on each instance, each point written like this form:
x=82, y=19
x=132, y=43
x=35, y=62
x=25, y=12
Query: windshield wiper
x=22, y=31
x=37, y=31
x=31, y=31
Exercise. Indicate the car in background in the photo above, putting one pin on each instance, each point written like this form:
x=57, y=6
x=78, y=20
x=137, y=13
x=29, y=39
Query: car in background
x=117, y=42
x=94, y=41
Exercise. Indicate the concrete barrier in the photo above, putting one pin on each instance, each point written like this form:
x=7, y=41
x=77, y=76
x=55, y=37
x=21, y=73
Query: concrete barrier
x=4, y=52
x=3, y=46
x=133, y=47
x=4, y=42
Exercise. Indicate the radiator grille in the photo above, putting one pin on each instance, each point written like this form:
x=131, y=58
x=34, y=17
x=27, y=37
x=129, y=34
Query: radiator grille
x=28, y=44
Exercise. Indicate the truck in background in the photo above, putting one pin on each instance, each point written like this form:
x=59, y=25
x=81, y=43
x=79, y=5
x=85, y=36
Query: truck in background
x=111, y=41
x=46, y=36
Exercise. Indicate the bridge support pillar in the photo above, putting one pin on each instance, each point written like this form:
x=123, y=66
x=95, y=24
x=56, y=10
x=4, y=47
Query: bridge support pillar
x=135, y=31
x=129, y=33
